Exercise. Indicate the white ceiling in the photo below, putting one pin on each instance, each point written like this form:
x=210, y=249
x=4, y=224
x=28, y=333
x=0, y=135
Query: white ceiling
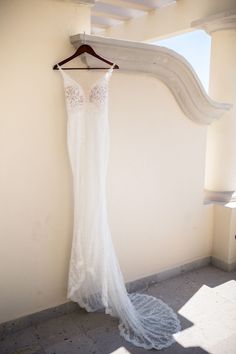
x=109, y=13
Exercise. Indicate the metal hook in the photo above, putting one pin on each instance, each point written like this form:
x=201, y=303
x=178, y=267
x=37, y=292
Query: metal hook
x=84, y=40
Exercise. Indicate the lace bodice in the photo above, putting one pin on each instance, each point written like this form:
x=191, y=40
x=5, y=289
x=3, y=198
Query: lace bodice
x=77, y=99
x=73, y=96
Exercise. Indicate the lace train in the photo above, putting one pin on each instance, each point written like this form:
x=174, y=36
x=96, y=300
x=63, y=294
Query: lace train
x=158, y=323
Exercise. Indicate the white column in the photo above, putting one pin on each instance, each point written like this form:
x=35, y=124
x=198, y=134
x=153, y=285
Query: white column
x=221, y=149
x=221, y=144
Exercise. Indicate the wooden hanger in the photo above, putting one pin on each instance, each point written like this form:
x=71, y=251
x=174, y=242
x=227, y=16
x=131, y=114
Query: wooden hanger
x=84, y=48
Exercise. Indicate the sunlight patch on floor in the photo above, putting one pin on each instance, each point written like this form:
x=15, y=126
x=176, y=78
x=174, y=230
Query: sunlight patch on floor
x=212, y=313
x=121, y=350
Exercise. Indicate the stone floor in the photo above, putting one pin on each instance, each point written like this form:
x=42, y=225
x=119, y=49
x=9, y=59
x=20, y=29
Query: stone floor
x=205, y=300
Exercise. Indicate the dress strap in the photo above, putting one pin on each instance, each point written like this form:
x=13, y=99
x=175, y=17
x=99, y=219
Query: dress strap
x=109, y=71
x=61, y=71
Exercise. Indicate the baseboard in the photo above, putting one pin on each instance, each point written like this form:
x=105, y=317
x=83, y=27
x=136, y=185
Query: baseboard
x=146, y=282
x=137, y=285
x=227, y=267
x=18, y=324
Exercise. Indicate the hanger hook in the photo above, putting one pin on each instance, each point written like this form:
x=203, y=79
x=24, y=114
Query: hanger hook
x=84, y=40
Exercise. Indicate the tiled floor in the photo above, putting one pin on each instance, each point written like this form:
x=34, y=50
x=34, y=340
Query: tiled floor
x=96, y=333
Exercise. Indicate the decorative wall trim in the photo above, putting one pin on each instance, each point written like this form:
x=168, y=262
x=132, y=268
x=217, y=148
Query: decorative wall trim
x=137, y=285
x=144, y=283
x=164, y=64
x=219, y=197
x=221, y=21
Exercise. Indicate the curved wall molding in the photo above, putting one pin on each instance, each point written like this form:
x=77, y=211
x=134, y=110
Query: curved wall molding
x=164, y=64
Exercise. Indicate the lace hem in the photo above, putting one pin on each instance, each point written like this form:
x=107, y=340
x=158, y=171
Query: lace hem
x=157, y=323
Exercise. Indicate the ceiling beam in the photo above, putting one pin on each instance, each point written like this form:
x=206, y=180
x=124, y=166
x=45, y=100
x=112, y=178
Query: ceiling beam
x=158, y=24
x=106, y=21
x=96, y=30
x=84, y=2
x=110, y=15
x=128, y=4
x=100, y=25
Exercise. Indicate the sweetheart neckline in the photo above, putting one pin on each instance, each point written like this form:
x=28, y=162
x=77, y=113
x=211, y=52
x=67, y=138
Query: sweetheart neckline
x=91, y=87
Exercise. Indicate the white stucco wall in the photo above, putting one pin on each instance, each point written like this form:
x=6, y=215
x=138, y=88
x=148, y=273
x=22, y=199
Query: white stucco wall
x=156, y=179
x=156, y=170
x=35, y=181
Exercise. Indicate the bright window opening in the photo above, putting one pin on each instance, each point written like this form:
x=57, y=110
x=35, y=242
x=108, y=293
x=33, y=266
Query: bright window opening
x=196, y=48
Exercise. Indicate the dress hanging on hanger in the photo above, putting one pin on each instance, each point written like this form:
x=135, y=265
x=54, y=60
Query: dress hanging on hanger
x=85, y=49
x=95, y=279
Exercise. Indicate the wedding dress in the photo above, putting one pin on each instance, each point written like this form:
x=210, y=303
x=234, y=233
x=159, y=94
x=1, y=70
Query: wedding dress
x=95, y=279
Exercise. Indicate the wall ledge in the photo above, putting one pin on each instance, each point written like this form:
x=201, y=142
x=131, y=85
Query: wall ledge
x=164, y=64
x=220, y=197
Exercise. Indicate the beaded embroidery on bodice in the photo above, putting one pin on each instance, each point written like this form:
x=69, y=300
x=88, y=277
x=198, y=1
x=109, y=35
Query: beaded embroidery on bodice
x=75, y=94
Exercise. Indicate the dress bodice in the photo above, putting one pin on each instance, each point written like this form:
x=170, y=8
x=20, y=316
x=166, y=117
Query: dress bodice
x=79, y=99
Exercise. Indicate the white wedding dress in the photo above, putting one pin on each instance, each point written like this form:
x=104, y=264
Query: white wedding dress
x=95, y=279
